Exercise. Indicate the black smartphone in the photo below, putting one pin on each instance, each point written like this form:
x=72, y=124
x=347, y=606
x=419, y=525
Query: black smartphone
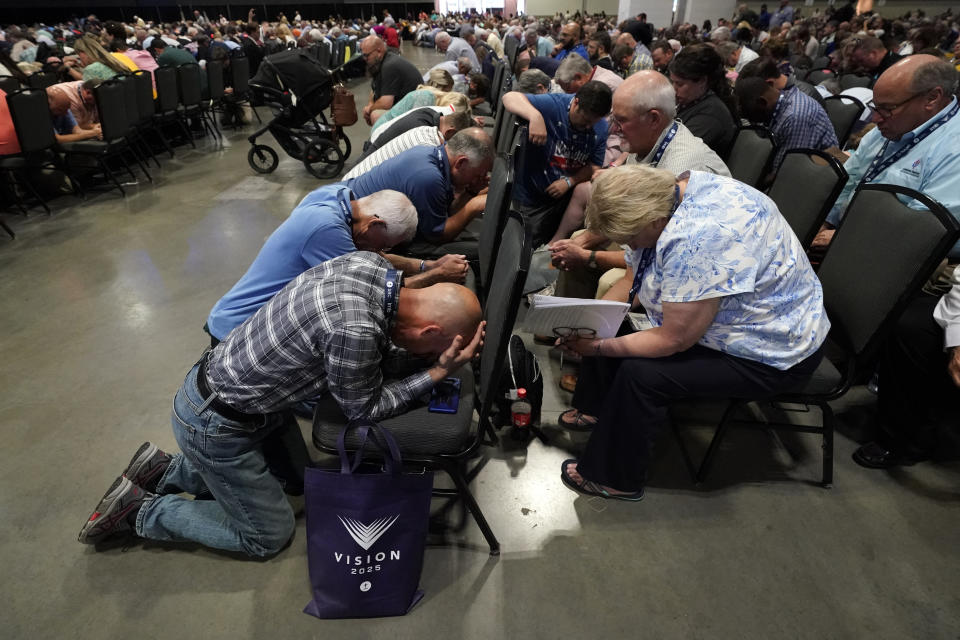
x=445, y=397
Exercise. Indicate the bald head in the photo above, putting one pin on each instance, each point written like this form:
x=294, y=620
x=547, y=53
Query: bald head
x=646, y=90
x=429, y=319
x=910, y=93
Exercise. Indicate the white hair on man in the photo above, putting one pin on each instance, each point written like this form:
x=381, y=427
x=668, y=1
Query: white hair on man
x=315, y=35
x=443, y=36
x=646, y=90
x=395, y=209
x=573, y=65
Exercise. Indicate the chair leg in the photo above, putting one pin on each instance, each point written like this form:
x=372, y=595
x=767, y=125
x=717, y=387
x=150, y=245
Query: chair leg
x=715, y=442
x=29, y=185
x=140, y=160
x=456, y=473
x=3, y=224
x=109, y=174
x=827, y=445
x=684, y=451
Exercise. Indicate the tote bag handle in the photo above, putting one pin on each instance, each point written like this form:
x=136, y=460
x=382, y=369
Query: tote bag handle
x=369, y=430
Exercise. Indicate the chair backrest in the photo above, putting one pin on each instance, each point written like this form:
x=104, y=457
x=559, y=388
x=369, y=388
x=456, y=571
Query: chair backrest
x=188, y=84
x=750, y=155
x=816, y=76
x=850, y=80
x=214, y=79
x=495, y=213
x=499, y=68
x=807, y=184
x=508, y=128
x=519, y=143
x=30, y=113
x=145, y=106
x=112, y=107
x=167, y=99
x=821, y=61
x=880, y=256
x=843, y=111
x=9, y=84
x=323, y=54
x=500, y=309
x=130, y=104
x=240, y=75
x=42, y=79
x=510, y=47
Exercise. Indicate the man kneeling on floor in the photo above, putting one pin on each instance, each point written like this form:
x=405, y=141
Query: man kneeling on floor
x=338, y=328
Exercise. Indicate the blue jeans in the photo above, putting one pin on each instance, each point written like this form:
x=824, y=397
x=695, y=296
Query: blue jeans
x=223, y=458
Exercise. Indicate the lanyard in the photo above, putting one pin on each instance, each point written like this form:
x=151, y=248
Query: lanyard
x=879, y=165
x=391, y=289
x=777, y=110
x=649, y=253
x=343, y=200
x=667, y=139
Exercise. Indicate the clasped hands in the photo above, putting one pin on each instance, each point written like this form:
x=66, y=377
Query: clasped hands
x=568, y=254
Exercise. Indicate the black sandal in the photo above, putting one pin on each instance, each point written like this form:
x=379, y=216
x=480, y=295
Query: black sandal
x=590, y=488
x=577, y=424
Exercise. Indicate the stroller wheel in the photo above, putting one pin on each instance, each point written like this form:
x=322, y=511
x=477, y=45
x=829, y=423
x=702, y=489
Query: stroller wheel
x=344, y=143
x=262, y=158
x=323, y=159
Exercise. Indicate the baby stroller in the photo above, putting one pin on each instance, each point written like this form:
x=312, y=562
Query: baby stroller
x=298, y=87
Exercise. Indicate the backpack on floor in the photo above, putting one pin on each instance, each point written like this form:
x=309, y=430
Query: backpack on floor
x=520, y=371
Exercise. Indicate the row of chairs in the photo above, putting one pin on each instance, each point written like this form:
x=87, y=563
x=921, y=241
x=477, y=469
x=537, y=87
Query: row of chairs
x=441, y=442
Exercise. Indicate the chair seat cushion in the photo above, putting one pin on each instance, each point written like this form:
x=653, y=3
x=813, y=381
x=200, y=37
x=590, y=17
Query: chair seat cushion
x=417, y=432
x=825, y=379
x=470, y=282
x=91, y=147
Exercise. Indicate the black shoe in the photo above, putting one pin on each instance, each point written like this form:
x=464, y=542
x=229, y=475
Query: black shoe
x=875, y=456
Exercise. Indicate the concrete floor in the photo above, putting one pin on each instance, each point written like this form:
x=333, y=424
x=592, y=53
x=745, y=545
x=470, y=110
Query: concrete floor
x=102, y=311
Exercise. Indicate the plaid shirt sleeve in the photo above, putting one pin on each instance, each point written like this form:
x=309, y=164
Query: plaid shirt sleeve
x=353, y=360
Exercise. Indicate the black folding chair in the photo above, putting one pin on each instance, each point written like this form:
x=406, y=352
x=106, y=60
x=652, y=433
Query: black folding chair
x=878, y=260
x=495, y=214
x=9, y=84
x=445, y=442
x=851, y=80
x=240, y=81
x=168, y=102
x=844, y=112
x=213, y=101
x=816, y=76
x=805, y=188
x=42, y=80
x=132, y=110
x=751, y=155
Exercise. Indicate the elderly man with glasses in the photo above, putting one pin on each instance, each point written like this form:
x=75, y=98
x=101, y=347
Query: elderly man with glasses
x=916, y=143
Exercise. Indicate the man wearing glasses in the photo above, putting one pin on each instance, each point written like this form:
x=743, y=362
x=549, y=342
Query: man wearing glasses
x=916, y=143
x=392, y=77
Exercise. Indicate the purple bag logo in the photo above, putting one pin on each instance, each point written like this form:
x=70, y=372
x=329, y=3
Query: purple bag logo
x=367, y=535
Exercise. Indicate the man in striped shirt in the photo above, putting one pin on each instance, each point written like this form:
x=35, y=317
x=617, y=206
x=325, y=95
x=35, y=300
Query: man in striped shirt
x=337, y=329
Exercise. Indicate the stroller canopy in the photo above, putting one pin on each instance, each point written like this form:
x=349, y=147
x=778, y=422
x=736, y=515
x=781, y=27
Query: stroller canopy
x=299, y=72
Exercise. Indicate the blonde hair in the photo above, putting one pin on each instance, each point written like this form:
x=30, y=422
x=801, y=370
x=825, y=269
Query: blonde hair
x=89, y=45
x=627, y=199
x=439, y=79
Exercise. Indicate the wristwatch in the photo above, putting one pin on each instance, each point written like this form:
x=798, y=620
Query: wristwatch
x=592, y=262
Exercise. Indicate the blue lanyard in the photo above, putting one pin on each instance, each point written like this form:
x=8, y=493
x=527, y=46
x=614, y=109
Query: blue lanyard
x=781, y=102
x=649, y=253
x=344, y=202
x=667, y=139
x=879, y=165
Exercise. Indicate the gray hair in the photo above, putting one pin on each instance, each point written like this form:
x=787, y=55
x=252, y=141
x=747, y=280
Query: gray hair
x=474, y=143
x=572, y=65
x=466, y=30
x=396, y=210
x=316, y=35
x=650, y=90
x=720, y=34
x=464, y=61
x=726, y=49
x=529, y=79
x=936, y=73
x=443, y=36
x=459, y=120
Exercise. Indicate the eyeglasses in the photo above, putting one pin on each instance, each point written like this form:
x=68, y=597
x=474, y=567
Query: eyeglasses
x=573, y=332
x=887, y=111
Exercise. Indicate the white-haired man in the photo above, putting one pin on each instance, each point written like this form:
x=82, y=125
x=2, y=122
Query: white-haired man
x=456, y=48
x=329, y=222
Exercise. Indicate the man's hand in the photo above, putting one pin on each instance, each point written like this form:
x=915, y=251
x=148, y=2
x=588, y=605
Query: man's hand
x=449, y=268
x=567, y=255
x=455, y=356
x=557, y=49
x=953, y=367
x=823, y=239
x=479, y=121
x=367, y=110
x=537, y=132
x=557, y=188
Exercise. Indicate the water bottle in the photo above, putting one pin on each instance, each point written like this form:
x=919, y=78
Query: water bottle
x=520, y=410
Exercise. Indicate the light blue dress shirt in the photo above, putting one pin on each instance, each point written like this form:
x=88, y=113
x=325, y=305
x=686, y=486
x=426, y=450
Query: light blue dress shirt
x=932, y=167
x=727, y=240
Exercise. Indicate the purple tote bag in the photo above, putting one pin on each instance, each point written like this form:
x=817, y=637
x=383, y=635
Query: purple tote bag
x=366, y=532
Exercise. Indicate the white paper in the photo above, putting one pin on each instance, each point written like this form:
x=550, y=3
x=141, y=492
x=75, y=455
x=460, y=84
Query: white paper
x=547, y=313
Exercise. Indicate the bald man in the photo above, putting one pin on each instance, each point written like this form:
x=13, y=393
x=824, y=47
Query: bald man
x=570, y=36
x=333, y=329
x=391, y=77
x=916, y=143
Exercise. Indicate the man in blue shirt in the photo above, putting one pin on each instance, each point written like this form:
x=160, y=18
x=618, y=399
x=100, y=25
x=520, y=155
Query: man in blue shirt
x=570, y=37
x=916, y=143
x=794, y=118
x=569, y=136
x=328, y=223
x=442, y=182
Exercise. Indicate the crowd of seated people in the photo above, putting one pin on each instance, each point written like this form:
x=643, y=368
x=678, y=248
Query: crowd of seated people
x=625, y=183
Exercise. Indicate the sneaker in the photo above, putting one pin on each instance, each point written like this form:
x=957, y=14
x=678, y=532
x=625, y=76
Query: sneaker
x=116, y=513
x=147, y=466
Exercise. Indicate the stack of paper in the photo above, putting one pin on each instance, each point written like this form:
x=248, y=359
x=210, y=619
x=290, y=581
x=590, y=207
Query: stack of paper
x=547, y=313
